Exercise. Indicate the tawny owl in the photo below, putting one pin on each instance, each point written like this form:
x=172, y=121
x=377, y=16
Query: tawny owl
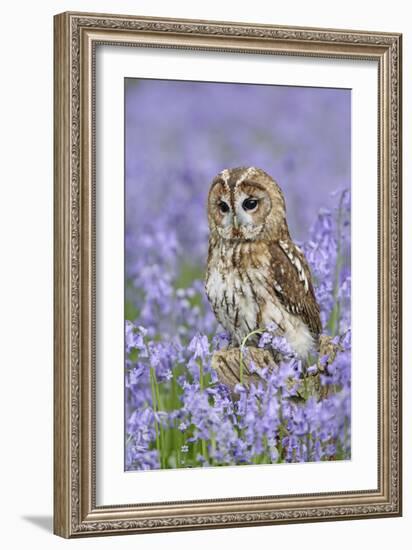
x=256, y=275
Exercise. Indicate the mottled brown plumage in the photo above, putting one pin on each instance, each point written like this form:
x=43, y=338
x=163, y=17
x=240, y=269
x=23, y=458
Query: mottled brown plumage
x=296, y=297
x=256, y=275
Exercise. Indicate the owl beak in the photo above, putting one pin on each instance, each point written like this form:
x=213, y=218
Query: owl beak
x=235, y=222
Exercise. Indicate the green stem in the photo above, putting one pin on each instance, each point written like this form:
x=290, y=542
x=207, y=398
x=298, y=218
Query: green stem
x=204, y=449
x=174, y=405
x=201, y=379
x=202, y=387
x=152, y=386
x=213, y=448
x=177, y=443
x=161, y=430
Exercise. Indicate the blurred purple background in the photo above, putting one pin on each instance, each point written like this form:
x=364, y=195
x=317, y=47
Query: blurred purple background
x=180, y=134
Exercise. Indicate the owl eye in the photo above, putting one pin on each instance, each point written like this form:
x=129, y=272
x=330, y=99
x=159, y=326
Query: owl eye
x=224, y=207
x=249, y=204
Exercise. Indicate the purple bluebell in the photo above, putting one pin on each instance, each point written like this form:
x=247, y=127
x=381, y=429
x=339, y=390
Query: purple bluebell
x=177, y=413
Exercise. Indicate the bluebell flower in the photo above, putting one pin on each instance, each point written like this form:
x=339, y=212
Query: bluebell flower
x=171, y=331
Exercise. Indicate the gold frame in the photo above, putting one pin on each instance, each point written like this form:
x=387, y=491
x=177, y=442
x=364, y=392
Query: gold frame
x=75, y=38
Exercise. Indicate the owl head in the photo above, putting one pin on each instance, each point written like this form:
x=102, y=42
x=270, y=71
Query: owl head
x=245, y=203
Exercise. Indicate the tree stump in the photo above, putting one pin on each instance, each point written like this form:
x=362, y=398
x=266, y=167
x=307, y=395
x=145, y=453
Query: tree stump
x=227, y=365
x=227, y=362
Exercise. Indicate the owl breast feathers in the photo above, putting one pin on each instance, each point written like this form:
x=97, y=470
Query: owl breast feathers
x=256, y=275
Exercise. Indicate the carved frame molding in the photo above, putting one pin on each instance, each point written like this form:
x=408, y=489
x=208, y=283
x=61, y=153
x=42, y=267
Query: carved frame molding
x=75, y=38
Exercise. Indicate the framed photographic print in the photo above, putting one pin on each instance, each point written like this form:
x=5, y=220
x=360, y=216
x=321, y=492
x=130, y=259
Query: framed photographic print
x=227, y=274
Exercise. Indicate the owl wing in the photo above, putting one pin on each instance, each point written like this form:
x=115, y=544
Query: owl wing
x=293, y=283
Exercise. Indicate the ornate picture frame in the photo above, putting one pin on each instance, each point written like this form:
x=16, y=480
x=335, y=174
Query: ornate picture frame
x=76, y=36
